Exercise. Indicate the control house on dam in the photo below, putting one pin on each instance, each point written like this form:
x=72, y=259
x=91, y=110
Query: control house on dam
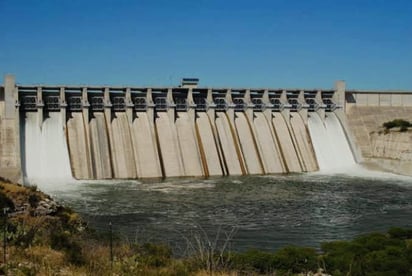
x=96, y=132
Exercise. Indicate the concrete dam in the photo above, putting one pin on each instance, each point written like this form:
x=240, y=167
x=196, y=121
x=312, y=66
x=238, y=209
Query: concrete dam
x=92, y=132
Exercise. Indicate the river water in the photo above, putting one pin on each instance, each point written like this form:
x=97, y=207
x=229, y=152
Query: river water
x=265, y=212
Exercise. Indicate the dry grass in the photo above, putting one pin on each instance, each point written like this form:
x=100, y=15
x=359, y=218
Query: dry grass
x=20, y=194
x=207, y=273
x=38, y=260
x=17, y=192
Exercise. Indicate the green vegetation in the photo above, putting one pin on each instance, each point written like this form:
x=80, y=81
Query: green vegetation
x=286, y=261
x=48, y=239
x=371, y=254
x=402, y=124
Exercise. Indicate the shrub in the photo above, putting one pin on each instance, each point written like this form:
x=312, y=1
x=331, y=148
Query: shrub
x=33, y=188
x=400, y=233
x=22, y=235
x=403, y=124
x=254, y=260
x=156, y=255
x=34, y=200
x=371, y=254
x=61, y=240
x=296, y=259
x=389, y=261
x=340, y=257
x=376, y=241
x=288, y=259
x=5, y=202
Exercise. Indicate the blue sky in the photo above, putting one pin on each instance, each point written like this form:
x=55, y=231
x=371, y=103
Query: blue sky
x=261, y=43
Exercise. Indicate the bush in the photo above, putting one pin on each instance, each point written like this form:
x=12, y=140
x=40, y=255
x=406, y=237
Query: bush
x=5, y=202
x=288, y=259
x=340, y=257
x=400, y=233
x=376, y=241
x=34, y=200
x=403, y=124
x=32, y=188
x=254, y=260
x=61, y=240
x=22, y=235
x=389, y=261
x=156, y=255
x=371, y=254
x=296, y=259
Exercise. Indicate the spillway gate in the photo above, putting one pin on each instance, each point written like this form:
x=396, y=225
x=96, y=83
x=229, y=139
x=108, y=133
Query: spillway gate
x=74, y=99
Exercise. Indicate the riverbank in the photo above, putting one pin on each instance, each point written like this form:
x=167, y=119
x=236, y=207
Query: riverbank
x=45, y=238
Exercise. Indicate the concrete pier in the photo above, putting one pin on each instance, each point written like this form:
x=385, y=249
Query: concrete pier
x=10, y=161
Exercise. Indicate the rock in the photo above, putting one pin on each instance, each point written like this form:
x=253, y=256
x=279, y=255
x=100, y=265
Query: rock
x=46, y=207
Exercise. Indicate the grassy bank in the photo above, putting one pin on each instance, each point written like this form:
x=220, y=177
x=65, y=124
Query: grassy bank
x=44, y=238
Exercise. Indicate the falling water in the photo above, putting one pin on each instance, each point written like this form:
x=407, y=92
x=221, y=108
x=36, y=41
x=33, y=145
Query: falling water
x=329, y=141
x=45, y=154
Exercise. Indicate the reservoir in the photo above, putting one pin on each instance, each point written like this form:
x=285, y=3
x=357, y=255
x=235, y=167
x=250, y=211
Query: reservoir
x=265, y=212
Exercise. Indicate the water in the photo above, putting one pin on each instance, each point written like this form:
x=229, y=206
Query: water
x=268, y=212
x=46, y=155
x=330, y=144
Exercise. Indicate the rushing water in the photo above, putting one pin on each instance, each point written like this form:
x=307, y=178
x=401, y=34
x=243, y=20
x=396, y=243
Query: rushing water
x=267, y=212
x=45, y=149
x=330, y=144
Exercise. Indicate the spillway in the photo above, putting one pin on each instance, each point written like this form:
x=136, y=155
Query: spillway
x=303, y=142
x=78, y=147
x=248, y=144
x=331, y=146
x=268, y=145
x=169, y=146
x=121, y=145
x=287, y=147
x=145, y=147
x=46, y=155
x=192, y=161
x=229, y=145
x=100, y=147
x=132, y=132
x=208, y=145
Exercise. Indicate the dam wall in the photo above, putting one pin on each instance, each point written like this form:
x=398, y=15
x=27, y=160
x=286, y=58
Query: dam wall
x=366, y=111
x=150, y=132
x=131, y=132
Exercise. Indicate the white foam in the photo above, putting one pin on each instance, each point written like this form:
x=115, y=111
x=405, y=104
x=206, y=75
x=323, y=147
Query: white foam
x=331, y=146
x=46, y=158
x=177, y=187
